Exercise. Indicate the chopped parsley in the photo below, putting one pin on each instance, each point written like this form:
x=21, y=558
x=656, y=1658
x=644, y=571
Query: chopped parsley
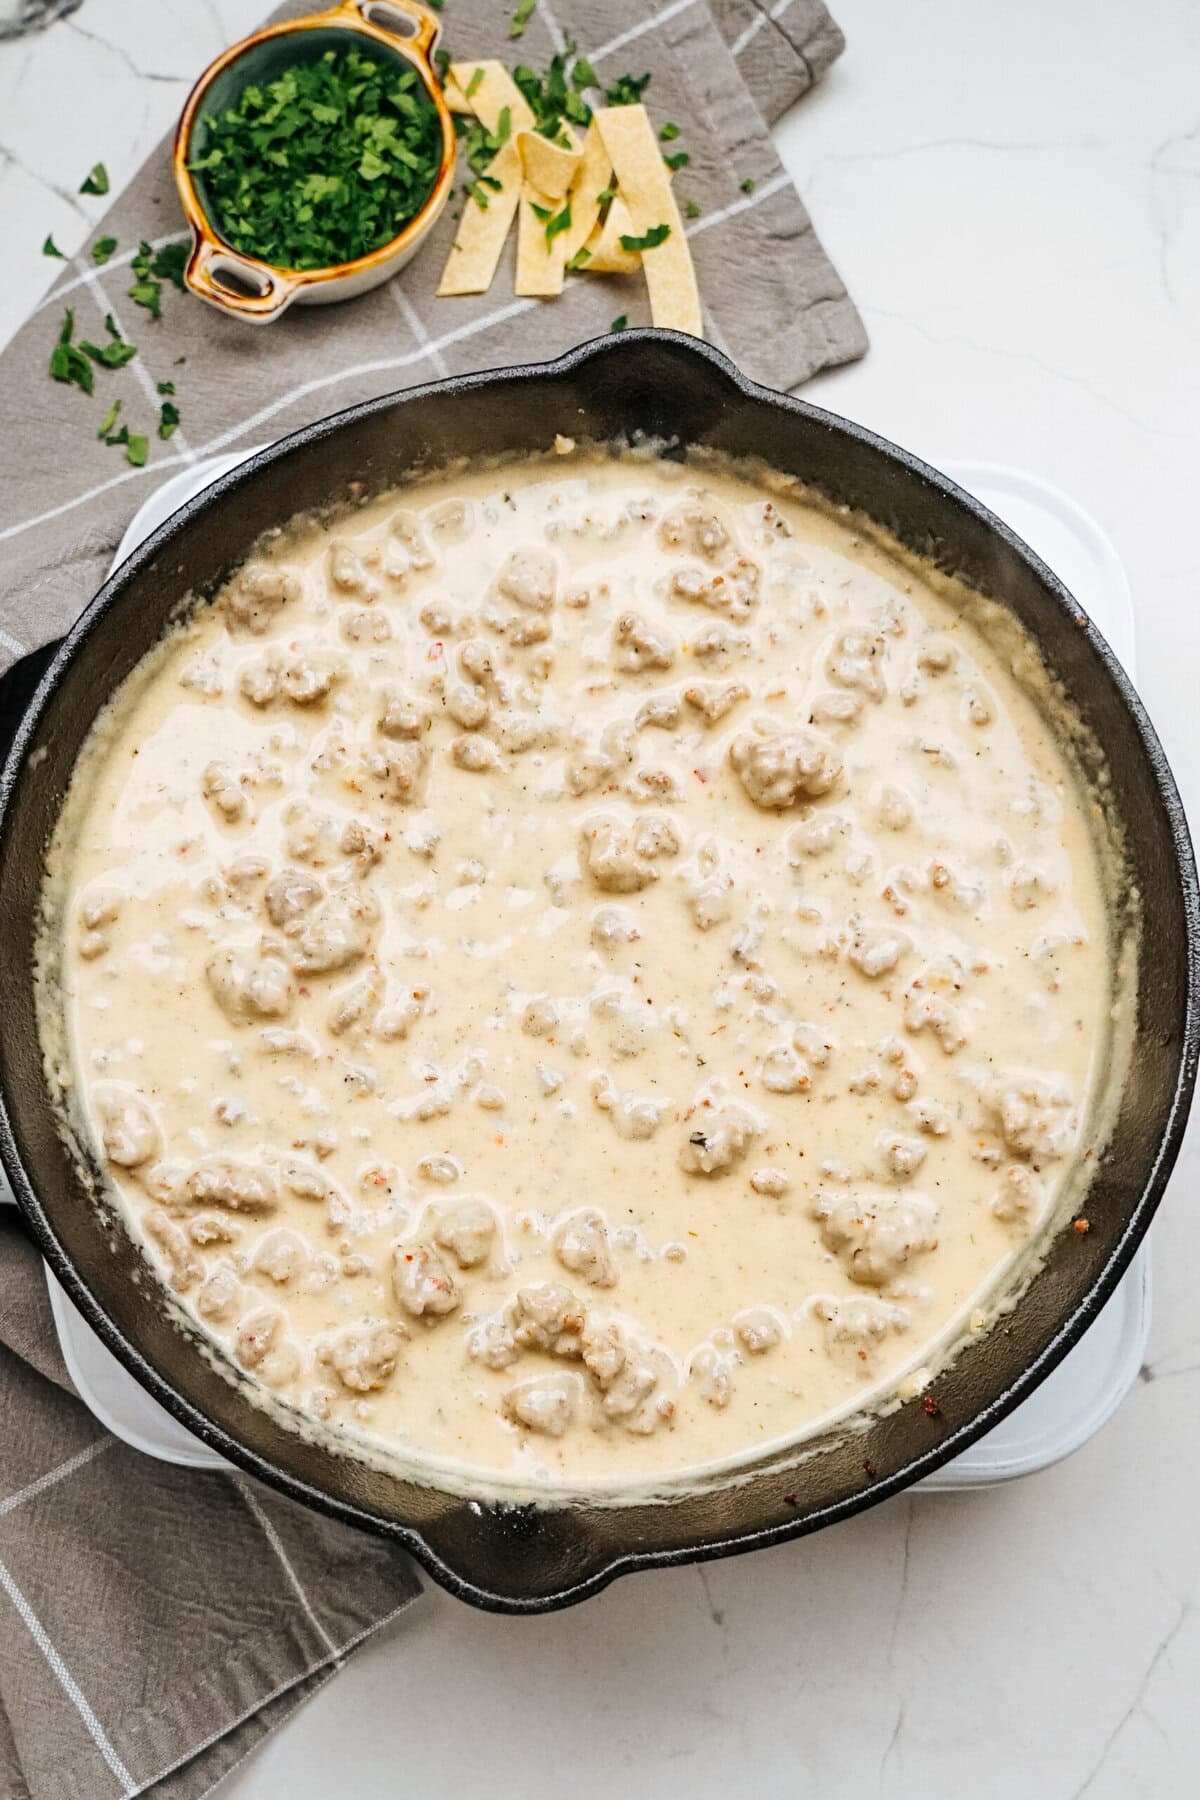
x=164, y=387
x=322, y=165
x=95, y=181
x=137, y=447
x=475, y=83
x=168, y=418
x=748, y=186
x=520, y=19
x=479, y=145
x=152, y=267
x=554, y=222
x=149, y=295
x=560, y=222
x=620, y=322
x=668, y=132
x=554, y=97
x=628, y=90
x=692, y=209
x=50, y=248
x=67, y=360
x=679, y=160
x=650, y=240
x=583, y=75
x=113, y=355
x=607, y=195
x=169, y=263
x=582, y=255
x=110, y=419
x=103, y=248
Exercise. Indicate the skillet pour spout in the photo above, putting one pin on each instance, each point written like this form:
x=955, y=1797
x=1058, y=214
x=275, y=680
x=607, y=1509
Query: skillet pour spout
x=675, y=394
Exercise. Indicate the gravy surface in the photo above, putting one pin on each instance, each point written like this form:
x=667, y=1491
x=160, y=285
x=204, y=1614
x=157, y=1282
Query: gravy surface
x=582, y=970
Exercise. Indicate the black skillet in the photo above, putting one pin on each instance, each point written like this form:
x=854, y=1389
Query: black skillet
x=526, y=1559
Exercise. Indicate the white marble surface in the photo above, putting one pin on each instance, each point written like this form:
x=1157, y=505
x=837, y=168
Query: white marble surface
x=1013, y=196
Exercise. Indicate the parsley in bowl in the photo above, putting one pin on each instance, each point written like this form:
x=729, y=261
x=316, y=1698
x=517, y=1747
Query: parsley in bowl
x=313, y=158
x=322, y=165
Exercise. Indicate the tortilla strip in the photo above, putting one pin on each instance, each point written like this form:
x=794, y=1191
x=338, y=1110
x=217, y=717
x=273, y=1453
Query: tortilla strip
x=549, y=167
x=549, y=170
x=606, y=255
x=591, y=178
x=481, y=233
x=455, y=98
x=540, y=264
x=646, y=188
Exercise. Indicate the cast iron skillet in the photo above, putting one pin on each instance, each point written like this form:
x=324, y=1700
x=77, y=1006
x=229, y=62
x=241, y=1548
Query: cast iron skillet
x=522, y=1558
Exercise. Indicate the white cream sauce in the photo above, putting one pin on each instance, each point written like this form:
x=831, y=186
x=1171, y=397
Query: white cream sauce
x=582, y=971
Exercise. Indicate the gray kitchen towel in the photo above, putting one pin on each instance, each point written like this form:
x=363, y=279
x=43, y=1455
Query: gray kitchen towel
x=159, y=1622
x=162, y=1621
x=771, y=297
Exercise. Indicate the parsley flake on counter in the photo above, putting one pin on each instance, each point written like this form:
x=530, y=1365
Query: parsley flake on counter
x=748, y=186
x=67, y=360
x=137, y=447
x=628, y=90
x=322, y=165
x=103, y=248
x=668, y=132
x=168, y=418
x=112, y=355
x=620, y=322
x=164, y=387
x=110, y=419
x=520, y=19
x=50, y=248
x=650, y=240
x=680, y=160
x=95, y=181
x=583, y=75
x=152, y=267
x=692, y=209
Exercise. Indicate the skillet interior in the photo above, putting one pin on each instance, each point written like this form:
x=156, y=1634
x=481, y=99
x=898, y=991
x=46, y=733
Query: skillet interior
x=667, y=386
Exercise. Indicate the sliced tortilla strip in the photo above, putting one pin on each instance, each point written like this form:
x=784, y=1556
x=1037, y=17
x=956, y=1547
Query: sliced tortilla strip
x=591, y=178
x=454, y=96
x=549, y=171
x=606, y=255
x=646, y=189
x=540, y=265
x=550, y=168
x=479, y=240
x=490, y=94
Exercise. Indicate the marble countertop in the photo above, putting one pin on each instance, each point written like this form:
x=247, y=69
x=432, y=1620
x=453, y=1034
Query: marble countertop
x=1012, y=195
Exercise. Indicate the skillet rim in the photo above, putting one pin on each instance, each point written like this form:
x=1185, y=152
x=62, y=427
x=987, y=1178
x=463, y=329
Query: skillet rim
x=1070, y=1328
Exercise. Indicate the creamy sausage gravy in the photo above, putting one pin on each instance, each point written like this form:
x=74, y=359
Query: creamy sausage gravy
x=581, y=971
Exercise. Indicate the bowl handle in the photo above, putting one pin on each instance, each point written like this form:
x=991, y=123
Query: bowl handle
x=269, y=293
x=424, y=25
